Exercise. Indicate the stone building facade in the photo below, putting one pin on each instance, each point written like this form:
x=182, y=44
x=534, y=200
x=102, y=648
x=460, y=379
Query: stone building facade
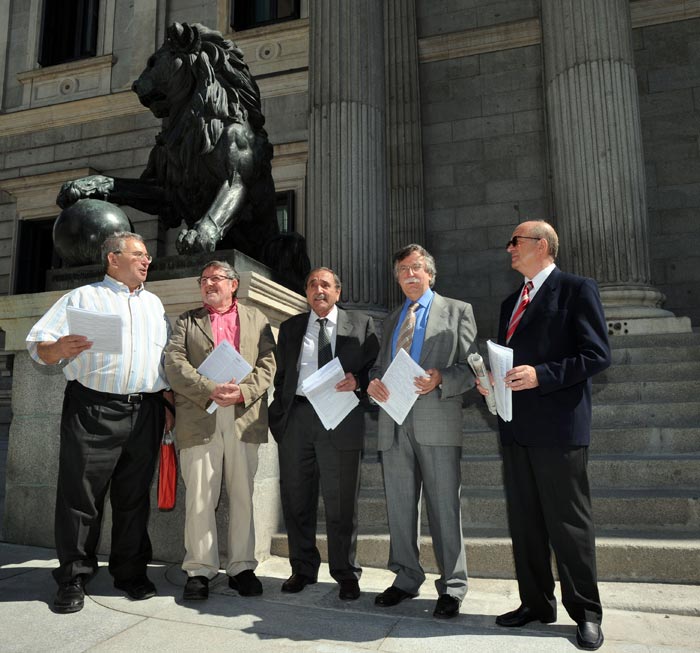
x=445, y=122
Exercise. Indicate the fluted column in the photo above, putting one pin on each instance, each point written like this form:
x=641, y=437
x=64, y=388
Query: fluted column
x=403, y=130
x=596, y=151
x=346, y=220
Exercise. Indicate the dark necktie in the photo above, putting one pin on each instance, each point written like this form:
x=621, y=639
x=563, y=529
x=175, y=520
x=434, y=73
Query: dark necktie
x=325, y=353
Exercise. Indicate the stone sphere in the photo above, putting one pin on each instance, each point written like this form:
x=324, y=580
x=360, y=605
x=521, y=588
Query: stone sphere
x=80, y=230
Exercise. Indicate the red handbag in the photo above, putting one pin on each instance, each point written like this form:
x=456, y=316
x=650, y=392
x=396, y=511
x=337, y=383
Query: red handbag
x=167, y=473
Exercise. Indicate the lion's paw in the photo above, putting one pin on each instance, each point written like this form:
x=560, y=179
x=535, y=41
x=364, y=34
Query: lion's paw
x=194, y=241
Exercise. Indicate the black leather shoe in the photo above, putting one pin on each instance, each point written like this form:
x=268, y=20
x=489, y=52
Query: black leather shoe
x=589, y=635
x=138, y=589
x=523, y=615
x=296, y=582
x=392, y=596
x=70, y=596
x=349, y=589
x=196, y=589
x=246, y=583
x=446, y=607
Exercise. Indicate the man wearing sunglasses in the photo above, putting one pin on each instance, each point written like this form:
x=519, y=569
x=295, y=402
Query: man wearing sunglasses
x=225, y=443
x=556, y=327
x=114, y=414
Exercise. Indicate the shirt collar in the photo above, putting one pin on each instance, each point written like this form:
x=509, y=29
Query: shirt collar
x=332, y=316
x=118, y=286
x=541, y=276
x=231, y=309
x=423, y=301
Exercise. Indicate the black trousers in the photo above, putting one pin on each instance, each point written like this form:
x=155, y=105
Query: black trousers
x=309, y=458
x=549, y=505
x=106, y=443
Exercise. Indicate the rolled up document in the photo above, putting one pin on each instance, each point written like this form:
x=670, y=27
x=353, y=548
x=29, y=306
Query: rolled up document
x=477, y=364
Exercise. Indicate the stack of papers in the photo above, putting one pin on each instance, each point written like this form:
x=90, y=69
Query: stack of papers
x=104, y=330
x=331, y=406
x=399, y=380
x=501, y=362
x=222, y=365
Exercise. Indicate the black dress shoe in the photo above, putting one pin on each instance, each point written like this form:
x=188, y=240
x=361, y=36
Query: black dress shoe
x=392, y=596
x=138, y=588
x=589, y=635
x=246, y=583
x=446, y=607
x=523, y=615
x=296, y=582
x=196, y=589
x=70, y=596
x=349, y=589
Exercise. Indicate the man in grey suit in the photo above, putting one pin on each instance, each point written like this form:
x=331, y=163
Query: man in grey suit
x=423, y=454
x=308, y=453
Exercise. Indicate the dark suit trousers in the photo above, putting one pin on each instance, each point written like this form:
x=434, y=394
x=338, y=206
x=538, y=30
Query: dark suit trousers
x=549, y=503
x=105, y=443
x=309, y=458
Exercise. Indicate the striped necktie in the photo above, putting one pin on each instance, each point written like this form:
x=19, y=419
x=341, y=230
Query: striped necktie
x=407, y=328
x=325, y=353
x=524, y=301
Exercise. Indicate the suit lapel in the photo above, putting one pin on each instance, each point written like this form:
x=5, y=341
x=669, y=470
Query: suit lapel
x=203, y=323
x=344, y=330
x=540, y=301
x=246, y=333
x=436, y=322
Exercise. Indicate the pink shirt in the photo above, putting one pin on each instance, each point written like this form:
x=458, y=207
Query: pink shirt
x=226, y=326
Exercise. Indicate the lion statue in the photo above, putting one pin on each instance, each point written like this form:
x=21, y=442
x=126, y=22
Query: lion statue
x=210, y=166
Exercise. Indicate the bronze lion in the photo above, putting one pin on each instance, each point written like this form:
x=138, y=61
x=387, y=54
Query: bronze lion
x=210, y=166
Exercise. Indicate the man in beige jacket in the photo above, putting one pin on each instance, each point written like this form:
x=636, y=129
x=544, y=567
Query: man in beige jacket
x=225, y=442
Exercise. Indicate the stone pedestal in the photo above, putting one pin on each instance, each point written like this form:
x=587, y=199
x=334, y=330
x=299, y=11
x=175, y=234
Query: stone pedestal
x=37, y=396
x=596, y=155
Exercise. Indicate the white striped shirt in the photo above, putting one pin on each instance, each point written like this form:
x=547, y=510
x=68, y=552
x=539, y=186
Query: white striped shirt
x=145, y=332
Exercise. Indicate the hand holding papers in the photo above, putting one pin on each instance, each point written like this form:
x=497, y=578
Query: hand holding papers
x=501, y=360
x=477, y=364
x=103, y=330
x=331, y=406
x=399, y=381
x=224, y=364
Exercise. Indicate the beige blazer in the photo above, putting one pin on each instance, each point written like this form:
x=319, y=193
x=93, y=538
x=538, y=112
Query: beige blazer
x=191, y=342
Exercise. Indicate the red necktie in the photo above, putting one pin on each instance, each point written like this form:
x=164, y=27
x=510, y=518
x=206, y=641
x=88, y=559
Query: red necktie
x=524, y=301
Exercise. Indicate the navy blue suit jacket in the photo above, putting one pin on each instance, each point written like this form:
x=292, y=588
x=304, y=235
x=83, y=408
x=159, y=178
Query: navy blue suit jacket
x=563, y=335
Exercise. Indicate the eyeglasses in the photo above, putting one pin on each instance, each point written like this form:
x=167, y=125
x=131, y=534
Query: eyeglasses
x=138, y=255
x=202, y=281
x=416, y=267
x=513, y=242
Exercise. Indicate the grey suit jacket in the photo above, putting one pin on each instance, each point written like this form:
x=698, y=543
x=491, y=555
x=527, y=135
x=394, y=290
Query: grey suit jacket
x=450, y=336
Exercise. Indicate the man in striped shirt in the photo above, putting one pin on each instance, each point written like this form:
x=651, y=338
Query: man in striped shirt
x=114, y=414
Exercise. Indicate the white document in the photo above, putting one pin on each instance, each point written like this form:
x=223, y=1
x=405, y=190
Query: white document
x=501, y=362
x=104, y=330
x=399, y=380
x=331, y=406
x=222, y=365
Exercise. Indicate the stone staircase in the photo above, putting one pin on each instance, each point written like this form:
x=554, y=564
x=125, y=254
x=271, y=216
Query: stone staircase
x=644, y=469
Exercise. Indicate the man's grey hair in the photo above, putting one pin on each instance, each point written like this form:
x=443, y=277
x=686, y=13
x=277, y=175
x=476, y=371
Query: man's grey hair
x=401, y=254
x=542, y=229
x=336, y=278
x=116, y=243
x=229, y=271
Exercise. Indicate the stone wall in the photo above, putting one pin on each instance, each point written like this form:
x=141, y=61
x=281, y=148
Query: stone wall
x=668, y=70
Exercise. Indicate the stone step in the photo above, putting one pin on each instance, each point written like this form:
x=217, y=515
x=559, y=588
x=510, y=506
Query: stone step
x=662, y=510
x=656, y=340
x=679, y=370
x=654, y=355
x=639, y=440
x=643, y=557
x=609, y=472
x=652, y=392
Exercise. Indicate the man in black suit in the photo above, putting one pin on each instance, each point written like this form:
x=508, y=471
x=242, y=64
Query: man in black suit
x=556, y=327
x=308, y=453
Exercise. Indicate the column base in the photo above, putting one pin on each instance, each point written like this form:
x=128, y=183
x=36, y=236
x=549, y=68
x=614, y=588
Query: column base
x=636, y=310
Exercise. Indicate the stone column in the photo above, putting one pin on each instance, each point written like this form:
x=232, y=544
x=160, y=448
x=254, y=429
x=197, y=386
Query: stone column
x=403, y=130
x=596, y=156
x=346, y=225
